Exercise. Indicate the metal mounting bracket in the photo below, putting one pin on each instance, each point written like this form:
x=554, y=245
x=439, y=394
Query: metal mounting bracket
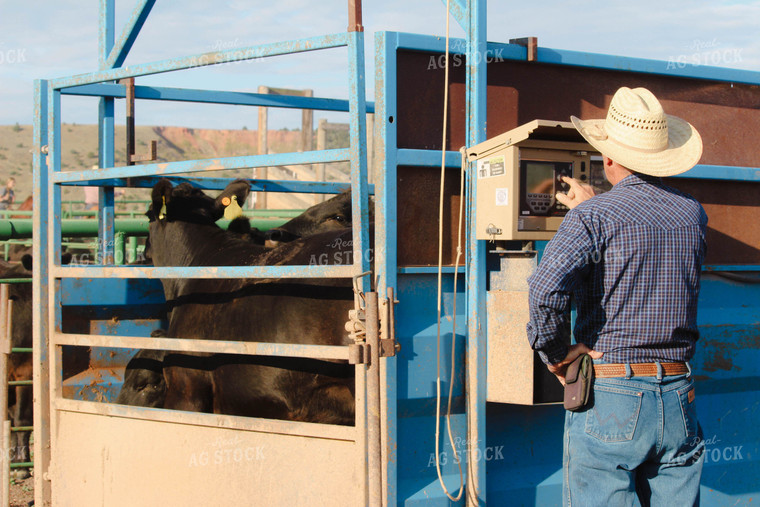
x=129, y=84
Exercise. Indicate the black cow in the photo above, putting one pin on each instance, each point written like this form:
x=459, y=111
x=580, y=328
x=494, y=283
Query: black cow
x=20, y=400
x=331, y=215
x=182, y=233
x=144, y=383
x=296, y=311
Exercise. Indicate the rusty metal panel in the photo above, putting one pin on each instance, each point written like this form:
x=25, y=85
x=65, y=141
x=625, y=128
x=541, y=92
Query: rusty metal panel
x=733, y=229
x=418, y=191
x=520, y=91
x=141, y=462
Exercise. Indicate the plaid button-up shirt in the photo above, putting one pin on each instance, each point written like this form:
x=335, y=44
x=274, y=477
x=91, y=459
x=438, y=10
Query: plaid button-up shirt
x=631, y=259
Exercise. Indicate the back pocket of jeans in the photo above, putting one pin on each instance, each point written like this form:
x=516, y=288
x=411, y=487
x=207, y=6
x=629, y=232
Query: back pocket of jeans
x=686, y=397
x=614, y=414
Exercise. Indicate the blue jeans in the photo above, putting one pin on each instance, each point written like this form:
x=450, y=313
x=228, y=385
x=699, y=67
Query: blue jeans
x=638, y=437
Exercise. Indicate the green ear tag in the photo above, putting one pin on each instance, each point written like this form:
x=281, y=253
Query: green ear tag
x=233, y=209
x=162, y=213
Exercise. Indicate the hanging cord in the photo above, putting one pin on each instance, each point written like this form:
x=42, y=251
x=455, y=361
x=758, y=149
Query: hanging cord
x=439, y=298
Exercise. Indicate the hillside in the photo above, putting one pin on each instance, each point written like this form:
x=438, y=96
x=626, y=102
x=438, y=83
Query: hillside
x=79, y=145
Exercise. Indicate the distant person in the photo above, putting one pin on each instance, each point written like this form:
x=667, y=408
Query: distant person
x=7, y=195
x=91, y=198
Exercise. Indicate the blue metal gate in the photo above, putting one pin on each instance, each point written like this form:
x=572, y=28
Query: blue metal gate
x=68, y=430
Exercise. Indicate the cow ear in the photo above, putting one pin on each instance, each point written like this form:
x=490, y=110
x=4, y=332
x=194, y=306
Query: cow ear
x=27, y=262
x=239, y=189
x=160, y=197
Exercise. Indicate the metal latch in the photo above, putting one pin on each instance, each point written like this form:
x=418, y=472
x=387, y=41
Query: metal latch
x=360, y=351
x=388, y=344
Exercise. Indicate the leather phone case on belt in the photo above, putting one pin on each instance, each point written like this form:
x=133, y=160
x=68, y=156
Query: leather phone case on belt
x=578, y=380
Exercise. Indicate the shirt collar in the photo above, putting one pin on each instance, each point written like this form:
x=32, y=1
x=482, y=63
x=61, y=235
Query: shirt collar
x=639, y=179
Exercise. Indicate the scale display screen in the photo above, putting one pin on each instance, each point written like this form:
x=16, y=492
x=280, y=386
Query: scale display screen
x=539, y=177
x=541, y=180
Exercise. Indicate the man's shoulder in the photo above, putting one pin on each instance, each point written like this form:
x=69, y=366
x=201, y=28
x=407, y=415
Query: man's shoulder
x=646, y=203
x=597, y=207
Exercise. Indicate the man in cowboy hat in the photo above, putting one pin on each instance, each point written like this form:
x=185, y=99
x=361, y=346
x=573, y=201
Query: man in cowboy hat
x=631, y=260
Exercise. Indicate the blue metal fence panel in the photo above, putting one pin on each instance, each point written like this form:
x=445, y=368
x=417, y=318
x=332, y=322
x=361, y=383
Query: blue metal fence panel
x=205, y=59
x=40, y=306
x=386, y=234
x=416, y=389
x=475, y=252
x=522, y=451
x=584, y=59
x=240, y=162
x=121, y=47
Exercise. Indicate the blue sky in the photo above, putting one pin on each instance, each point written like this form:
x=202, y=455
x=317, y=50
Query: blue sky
x=48, y=39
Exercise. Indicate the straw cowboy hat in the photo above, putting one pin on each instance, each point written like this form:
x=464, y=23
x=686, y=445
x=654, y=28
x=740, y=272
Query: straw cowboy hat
x=639, y=135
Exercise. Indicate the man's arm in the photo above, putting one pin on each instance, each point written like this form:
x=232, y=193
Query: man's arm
x=562, y=269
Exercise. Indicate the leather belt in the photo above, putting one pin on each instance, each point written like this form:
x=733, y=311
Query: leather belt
x=639, y=370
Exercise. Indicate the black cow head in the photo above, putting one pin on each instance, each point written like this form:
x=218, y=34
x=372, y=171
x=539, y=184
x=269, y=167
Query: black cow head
x=185, y=203
x=189, y=204
x=333, y=214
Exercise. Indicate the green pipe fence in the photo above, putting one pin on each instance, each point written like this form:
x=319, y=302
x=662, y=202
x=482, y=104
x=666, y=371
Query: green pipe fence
x=20, y=350
x=74, y=228
x=71, y=213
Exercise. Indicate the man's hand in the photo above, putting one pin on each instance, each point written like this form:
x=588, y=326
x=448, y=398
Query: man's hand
x=573, y=352
x=578, y=193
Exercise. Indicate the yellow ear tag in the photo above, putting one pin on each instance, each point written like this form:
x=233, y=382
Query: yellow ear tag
x=162, y=213
x=232, y=209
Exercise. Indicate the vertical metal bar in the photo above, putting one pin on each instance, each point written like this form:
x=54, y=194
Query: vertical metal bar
x=105, y=31
x=358, y=152
x=374, y=462
x=476, y=308
x=307, y=126
x=119, y=249
x=129, y=85
x=360, y=227
x=129, y=35
x=321, y=138
x=56, y=352
x=6, y=495
x=106, y=136
x=261, y=172
x=386, y=259
x=5, y=349
x=131, y=249
x=355, y=16
x=53, y=224
x=40, y=323
x=370, y=122
x=360, y=422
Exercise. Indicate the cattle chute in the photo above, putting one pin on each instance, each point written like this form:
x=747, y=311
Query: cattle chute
x=76, y=430
x=513, y=458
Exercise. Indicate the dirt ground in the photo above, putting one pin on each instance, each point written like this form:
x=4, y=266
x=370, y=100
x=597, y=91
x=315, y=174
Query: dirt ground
x=22, y=492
